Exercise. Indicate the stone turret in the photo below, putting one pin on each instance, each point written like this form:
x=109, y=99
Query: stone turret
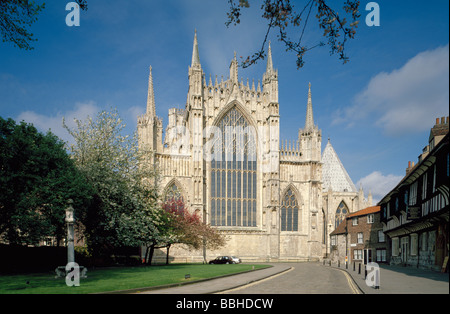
x=149, y=125
x=310, y=136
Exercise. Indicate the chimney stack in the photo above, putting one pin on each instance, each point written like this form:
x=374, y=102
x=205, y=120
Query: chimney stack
x=410, y=166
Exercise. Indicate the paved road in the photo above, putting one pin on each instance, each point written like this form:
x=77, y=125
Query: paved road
x=282, y=278
x=302, y=278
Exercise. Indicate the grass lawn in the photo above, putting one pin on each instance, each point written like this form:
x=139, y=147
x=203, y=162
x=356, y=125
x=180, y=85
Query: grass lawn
x=121, y=278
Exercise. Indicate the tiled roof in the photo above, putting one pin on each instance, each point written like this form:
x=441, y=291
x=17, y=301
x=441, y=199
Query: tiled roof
x=365, y=211
x=341, y=229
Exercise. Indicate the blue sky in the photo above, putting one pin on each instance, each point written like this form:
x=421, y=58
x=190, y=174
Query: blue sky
x=377, y=109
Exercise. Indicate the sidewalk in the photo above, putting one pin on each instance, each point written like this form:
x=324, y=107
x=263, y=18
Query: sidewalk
x=400, y=280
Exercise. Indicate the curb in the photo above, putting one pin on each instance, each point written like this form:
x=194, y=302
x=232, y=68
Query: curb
x=351, y=277
x=253, y=281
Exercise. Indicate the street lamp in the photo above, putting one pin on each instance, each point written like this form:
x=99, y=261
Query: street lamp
x=72, y=277
x=70, y=232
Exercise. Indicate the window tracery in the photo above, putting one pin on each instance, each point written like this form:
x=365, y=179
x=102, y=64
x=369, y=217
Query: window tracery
x=233, y=173
x=341, y=212
x=289, y=212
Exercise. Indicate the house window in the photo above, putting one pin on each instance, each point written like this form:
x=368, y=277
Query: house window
x=414, y=243
x=424, y=245
x=355, y=221
x=395, y=247
x=413, y=193
x=333, y=240
x=424, y=185
x=357, y=254
x=434, y=179
x=233, y=173
x=381, y=255
x=381, y=236
x=370, y=219
x=360, y=238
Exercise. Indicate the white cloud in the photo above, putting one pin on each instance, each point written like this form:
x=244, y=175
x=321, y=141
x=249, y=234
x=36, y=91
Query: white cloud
x=55, y=123
x=407, y=99
x=134, y=112
x=379, y=184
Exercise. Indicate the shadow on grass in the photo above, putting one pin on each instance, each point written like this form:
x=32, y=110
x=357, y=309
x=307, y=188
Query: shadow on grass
x=118, y=278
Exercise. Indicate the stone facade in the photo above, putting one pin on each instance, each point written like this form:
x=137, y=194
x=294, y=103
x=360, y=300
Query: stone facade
x=223, y=155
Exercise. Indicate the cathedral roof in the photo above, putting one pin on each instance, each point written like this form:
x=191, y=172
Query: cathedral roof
x=334, y=175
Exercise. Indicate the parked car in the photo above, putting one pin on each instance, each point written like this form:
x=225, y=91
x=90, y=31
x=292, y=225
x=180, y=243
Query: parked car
x=236, y=260
x=225, y=260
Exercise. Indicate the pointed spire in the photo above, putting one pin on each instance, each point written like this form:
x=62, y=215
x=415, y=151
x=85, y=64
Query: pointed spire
x=151, y=96
x=309, y=124
x=234, y=70
x=195, y=54
x=269, y=68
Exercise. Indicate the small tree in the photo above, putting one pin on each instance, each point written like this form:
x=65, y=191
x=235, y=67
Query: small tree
x=124, y=212
x=189, y=229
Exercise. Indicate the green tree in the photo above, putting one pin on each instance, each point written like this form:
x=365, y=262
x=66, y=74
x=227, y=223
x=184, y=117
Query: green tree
x=124, y=210
x=37, y=177
x=16, y=16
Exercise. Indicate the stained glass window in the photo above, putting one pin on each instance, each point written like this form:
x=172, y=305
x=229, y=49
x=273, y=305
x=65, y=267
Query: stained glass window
x=341, y=212
x=233, y=173
x=289, y=212
x=173, y=193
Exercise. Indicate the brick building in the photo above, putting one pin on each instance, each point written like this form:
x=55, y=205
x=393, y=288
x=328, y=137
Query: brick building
x=359, y=238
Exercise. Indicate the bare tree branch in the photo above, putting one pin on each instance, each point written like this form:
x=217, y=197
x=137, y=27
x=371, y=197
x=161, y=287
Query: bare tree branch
x=17, y=17
x=281, y=14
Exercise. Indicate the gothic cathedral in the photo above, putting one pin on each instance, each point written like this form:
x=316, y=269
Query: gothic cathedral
x=223, y=156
